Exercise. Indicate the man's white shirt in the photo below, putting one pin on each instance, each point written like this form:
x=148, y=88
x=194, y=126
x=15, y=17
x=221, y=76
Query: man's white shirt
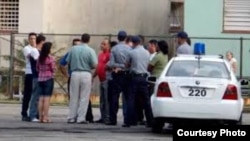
x=26, y=52
x=34, y=53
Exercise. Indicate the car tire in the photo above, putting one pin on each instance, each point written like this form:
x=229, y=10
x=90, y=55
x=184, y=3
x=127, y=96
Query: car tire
x=237, y=122
x=157, y=125
x=240, y=120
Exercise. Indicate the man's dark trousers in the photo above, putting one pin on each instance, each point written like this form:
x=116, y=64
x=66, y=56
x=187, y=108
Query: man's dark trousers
x=28, y=80
x=139, y=108
x=118, y=86
x=138, y=86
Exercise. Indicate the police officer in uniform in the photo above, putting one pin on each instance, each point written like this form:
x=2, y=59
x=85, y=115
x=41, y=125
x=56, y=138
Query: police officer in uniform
x=118, y=60
x=139, y=59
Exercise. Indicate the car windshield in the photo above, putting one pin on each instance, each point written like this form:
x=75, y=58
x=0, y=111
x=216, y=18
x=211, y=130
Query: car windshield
x=194, y=68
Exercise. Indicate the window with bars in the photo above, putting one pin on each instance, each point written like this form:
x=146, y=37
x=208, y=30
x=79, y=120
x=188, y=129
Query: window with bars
x=236, y=16
x=9, y=14
x=176, y=17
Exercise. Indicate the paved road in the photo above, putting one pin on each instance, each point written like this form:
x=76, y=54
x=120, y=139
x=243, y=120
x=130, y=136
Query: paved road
x=12, y=129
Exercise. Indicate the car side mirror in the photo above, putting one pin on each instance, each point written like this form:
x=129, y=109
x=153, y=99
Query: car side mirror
x=244, y=82
x=151, y=79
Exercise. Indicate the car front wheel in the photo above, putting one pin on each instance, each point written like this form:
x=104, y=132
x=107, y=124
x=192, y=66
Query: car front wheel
x=157, y=125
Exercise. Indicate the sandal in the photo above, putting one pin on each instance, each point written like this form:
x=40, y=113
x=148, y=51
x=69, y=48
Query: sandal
x=46, y=121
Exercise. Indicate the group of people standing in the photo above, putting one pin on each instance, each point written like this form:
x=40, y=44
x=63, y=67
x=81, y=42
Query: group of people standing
x=39, y=79
x=122, y=68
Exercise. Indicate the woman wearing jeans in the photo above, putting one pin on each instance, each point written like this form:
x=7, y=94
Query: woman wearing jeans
x=46, y=69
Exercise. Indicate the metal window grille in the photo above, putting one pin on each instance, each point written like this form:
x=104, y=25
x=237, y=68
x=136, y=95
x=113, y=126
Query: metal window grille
x=9, y=15
x=237, y=15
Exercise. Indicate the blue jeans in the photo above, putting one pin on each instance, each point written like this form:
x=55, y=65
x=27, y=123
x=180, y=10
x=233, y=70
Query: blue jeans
x=33, y=109
x=45, y=88
x=104, y=103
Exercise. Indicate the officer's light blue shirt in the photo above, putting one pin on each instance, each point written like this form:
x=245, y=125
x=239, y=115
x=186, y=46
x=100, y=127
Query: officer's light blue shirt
x=139, y=58
x=184, y=49
x=119, y=56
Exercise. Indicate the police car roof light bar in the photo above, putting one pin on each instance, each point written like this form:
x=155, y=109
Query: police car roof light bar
x=199, y=48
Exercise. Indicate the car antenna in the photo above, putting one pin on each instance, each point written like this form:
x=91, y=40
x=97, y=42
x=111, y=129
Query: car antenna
x=199, y=61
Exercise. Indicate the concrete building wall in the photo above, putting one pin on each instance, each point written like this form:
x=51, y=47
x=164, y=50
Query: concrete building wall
x=30, y=16
x=145, y=17
x=149, y=17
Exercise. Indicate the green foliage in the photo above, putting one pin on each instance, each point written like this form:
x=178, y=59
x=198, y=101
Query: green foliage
x=19, y=65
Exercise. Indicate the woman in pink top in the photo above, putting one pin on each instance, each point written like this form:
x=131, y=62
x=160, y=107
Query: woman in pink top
x=45, y=68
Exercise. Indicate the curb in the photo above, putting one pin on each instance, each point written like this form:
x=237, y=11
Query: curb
x=96, y=105
x=246, y=109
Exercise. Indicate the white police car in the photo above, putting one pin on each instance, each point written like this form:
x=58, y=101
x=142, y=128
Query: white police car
x=196, y=87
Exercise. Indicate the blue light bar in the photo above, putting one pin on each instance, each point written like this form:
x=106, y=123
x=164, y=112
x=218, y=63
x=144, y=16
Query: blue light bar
x=199, y=49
